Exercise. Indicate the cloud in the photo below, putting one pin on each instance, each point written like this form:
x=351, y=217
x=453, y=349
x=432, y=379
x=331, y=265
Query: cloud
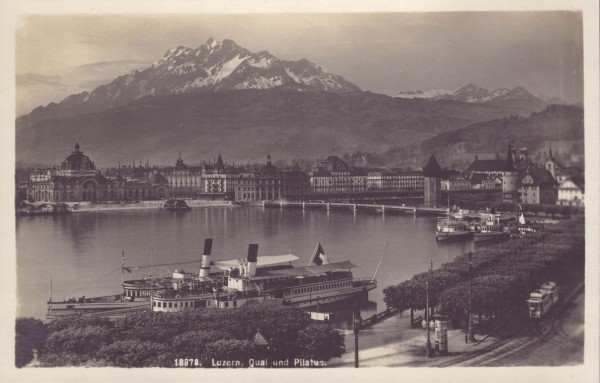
x=35, y=79
x=107, y=65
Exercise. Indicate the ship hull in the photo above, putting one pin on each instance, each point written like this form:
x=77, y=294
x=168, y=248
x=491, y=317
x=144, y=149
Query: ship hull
x=327, y=297
x=442, y=236
x=481, y=237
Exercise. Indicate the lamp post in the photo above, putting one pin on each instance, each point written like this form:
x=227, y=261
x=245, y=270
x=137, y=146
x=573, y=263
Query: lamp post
x=356, y=318
x=470, y=335
x=428, y=344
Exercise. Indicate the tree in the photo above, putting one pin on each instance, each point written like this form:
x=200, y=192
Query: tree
x=193, y=343
x=81, y=341
x=30, y=335
x=320, y=342
x=131, y=353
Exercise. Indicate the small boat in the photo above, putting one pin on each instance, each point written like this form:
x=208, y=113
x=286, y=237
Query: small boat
x=176, y=205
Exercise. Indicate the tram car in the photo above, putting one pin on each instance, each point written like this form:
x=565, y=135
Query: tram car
x=541, y=300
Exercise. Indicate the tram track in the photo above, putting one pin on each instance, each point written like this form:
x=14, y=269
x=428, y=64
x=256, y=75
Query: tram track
x=552, y=335
x=546, y=331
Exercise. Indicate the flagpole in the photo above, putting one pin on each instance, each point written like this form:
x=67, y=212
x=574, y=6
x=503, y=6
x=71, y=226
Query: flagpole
x=122, y=275
x=151, y=278
x=50, y=294
x=380, y=259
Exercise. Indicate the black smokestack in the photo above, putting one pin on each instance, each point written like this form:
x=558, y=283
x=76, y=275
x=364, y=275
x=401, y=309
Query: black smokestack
x=207, y=246
x=252, y=252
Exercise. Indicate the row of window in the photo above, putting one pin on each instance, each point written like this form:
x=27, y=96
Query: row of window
x=182, y=304
x=137, y=293
x=319, y=287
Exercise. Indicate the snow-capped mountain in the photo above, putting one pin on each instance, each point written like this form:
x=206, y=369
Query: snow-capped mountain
x=215, y=65
x=433, y=94
x=475, y=94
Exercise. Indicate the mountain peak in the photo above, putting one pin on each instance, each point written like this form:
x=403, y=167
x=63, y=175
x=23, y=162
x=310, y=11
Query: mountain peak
x=473, y=93
x=212, y=43
x=215, y=65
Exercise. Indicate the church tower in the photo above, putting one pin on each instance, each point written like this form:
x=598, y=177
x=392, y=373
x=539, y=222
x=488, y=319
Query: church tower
x=510, y=177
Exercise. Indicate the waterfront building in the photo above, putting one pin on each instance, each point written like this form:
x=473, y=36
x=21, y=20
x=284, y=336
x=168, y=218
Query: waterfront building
x=269, y=183
x=78, y=180
x=395, y=179
x=455, y=182
x=218, y=179
x=295, y=182
x=184, y=180
x=571, y=192
x=263, y=185
x=41, y=175
x=536, y=186
x=481, y=181
x=333, y=175
x=498, y=174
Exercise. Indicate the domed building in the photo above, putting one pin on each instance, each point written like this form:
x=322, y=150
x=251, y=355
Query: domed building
x=77, y=180
x=77, y=164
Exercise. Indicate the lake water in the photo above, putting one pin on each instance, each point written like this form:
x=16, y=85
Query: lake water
x=82, y=251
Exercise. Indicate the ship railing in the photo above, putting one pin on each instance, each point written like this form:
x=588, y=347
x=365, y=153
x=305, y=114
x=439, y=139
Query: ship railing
x=363, y=281
x=225, y=296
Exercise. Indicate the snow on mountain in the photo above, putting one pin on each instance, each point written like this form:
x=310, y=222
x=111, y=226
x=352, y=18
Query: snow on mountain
x=431, y=93
x=472, y=93
x=215, y=65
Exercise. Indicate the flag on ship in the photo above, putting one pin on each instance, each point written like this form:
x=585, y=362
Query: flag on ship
x=123, y=263
x=319, y=258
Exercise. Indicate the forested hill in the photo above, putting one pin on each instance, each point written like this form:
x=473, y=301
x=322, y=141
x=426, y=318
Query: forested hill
x=556, y=123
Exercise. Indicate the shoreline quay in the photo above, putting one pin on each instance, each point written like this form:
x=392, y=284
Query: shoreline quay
x=154, y=204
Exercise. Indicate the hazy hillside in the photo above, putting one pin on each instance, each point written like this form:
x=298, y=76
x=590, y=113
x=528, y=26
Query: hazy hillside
x=246, y=125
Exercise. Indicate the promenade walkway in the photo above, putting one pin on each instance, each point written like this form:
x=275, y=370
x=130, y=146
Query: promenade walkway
x=392, y=343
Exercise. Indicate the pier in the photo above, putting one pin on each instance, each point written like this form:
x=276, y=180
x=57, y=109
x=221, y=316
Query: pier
x=379, y=208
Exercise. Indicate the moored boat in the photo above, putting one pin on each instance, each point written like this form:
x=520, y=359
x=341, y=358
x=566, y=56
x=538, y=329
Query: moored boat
x=236, y=283
x=30, y=209
x=272, y=280
x=452, y=228
x=490, y=229
x=177, y=205
x=109, y=304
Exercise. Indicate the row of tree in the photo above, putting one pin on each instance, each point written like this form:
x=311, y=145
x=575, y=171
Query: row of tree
x=160, y=339
x=502, y=275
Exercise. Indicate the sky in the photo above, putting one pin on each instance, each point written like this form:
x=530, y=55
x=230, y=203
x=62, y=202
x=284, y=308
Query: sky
x=58, y=55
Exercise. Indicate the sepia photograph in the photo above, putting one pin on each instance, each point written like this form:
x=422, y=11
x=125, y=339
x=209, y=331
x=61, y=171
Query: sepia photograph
x=321, y=188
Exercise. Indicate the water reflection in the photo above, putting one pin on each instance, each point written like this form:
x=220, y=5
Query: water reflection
x=82, y=251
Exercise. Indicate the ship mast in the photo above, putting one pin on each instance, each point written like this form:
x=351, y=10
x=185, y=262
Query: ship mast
x=151, y=278
x=50, y=295
x=122, y=274
x=380, y=259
